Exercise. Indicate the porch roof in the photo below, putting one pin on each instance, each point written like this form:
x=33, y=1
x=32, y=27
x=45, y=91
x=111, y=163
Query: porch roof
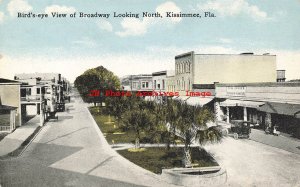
x=6, y=107
x=281, y=108
x=200, y=101
x=250, y=104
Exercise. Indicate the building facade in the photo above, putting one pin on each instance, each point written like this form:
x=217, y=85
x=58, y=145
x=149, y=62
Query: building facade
x=141, y=82
x=10, y=105
x=264, y=104
x=191, y=68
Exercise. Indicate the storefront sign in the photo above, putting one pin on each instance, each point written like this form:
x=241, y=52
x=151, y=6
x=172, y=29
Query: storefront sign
x=239, y=91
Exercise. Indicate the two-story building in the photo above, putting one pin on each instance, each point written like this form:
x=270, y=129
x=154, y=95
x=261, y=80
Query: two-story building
x=10, y=105
x=141, y=82
x=191, y=68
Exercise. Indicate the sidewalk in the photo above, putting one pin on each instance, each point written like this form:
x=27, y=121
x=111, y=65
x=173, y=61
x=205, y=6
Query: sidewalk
x=281, y=142
x=14, y=140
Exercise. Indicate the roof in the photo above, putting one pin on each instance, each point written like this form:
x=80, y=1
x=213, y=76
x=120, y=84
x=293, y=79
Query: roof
x=242, y=103
x=241, y=54
x=159, y=73
x=203, y=86
x=8, y=81
x=6, y=107
x=260, y=84
x=280, y=108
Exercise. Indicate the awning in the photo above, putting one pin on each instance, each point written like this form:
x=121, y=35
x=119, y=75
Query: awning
x=200, y=101
x=250, y=104
x=281, y=108
x=6, y=107
x=181, y=98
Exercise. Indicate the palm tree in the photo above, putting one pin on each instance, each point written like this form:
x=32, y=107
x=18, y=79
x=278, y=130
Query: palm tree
x=186, y=129
x=204, y=133
x=191, y=122
x=158, y=129
x=172, y=120
x=138, y=121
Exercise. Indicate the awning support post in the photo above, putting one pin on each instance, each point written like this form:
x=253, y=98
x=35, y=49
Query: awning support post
x=245, y=114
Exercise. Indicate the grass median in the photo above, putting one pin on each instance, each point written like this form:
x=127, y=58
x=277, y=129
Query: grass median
x=153, y=159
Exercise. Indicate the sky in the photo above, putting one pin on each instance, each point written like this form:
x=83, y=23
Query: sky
x=129, y=45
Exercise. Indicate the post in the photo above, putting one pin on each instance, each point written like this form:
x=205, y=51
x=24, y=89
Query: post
x=268, y=120
x=227, y=114
x=245, y=114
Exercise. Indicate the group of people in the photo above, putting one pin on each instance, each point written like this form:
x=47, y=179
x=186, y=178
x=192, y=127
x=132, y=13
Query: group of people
x=272, y=130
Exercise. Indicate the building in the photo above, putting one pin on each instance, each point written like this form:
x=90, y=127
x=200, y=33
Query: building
x=191, y=68
x=263, y=104
x=280, y=75
x=170, y=83
x=42, y=94
x=10, y=105
x=141, y=82
x=159, y=82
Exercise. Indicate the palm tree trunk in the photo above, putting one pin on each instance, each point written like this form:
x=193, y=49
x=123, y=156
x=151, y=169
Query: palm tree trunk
x=137, y=143
x=187, y=161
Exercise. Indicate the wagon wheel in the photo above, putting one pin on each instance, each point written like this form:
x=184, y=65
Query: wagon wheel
x=235, y=136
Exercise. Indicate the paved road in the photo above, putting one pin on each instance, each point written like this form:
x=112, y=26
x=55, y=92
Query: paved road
x=70, y=152
x=249, y=163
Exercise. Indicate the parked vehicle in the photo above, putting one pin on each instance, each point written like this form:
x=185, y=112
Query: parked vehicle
x=240, y=129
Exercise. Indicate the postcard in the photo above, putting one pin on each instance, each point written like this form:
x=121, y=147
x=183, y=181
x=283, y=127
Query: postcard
x=149, y=93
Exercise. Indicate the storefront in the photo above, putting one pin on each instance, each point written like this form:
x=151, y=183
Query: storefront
x=263, y=104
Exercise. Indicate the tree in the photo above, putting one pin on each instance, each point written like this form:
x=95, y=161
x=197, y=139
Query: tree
x=158, y=129
x=191, y=123
x=138, y=120
x=116, y=106
x=204, y=133
x=98, y=78
x=172, y=120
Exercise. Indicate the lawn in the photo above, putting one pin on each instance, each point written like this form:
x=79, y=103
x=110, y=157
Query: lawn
x=109, y=127
x=156, y=158
x=153, y=158
x=111, y=130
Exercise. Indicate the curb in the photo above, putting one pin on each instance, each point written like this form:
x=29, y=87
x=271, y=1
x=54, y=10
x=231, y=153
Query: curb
x=115, y=153
x=24, y=145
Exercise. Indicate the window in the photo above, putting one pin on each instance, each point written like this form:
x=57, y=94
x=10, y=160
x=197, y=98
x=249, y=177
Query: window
x=154, y=84
x=28, y=91
x=187, y=67
x=23, y=92
x=145, y=84
x=163, y=84
x=38, y=91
